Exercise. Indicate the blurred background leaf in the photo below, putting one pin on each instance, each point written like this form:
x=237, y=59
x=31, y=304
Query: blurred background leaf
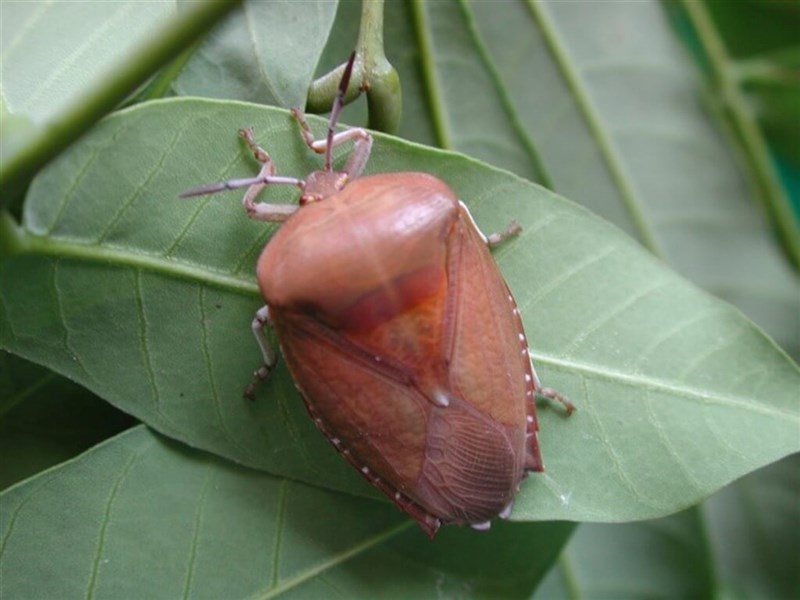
x=254, y=55
x=741, y=543
x=752, y=79
x=46, y=419
x=598, y=102
x=66, y=64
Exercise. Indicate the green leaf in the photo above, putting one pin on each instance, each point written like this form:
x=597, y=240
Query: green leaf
x=66, y=64
x=142, y=516
x=46, y=419
x=731, y=103
x=147, y=299
x=752, y=528
x=778, y=23
x=255, y=55
x=526, y=69
x=87, y=39
x=664, y=558
x=765, y=61
x=741, y=543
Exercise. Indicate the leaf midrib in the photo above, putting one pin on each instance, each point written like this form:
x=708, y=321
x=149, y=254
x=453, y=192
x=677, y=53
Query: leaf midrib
x=334, y=560
x=109, y=255
x=657, y=384
x=247, y=286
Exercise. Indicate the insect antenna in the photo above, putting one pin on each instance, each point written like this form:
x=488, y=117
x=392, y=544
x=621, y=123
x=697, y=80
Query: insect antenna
x=235, y=184
x=336, y=110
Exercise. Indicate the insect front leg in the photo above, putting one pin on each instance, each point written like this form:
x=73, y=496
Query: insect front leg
x=270, y=358
x=363, y=140
x=362, y=145
x=267, y=170
x=264, y=211
x=266, y=176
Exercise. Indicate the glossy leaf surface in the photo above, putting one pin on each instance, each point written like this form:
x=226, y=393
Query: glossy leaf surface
x=518, y=61
x=146, y=299
x=85, y=41
x=143, y=516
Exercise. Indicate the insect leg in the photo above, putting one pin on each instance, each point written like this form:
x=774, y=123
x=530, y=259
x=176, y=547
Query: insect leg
x=551, y=394
x=361, y=147
x=363, y=140
x=259, y=153
x=259, y=322
x=493, y=239
x=359, y=155
x=266, y=176
x=264, y=212
x=497, y=238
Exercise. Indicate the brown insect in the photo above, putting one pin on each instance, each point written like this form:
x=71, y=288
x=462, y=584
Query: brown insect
x=399, y=331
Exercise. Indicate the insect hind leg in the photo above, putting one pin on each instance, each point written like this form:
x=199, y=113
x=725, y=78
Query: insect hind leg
x=498, y=237
x=267, y=351
x=551, y=394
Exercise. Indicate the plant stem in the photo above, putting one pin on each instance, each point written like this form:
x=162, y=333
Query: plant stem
x=372, y=73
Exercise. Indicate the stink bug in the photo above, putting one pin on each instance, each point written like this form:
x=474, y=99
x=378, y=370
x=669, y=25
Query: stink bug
x=399, y=331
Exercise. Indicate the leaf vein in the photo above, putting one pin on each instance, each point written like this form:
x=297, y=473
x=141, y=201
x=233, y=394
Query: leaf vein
x=21, y=32
x=200, y=206
x=336, y=559
x=667, y=444
x=104, y=525
x=142, y=261
x=654, y=383
x=12, y=520
x=605, y=147
x=196, y=527
x=207, y=358
x=65, y=338
x=295, y=434
x=721, y=438
x=138, y=189
x=70, y=190
x=554, y=283
x=66, y=64
x=668, y=334
x=258, y=58
x=138, y=297
x=280, y=523
x=721, y=343
x=605, y=317
x=506, y=105
x=616, y=461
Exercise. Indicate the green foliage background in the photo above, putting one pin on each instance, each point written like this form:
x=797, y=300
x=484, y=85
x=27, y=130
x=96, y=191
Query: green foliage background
x=131, y=466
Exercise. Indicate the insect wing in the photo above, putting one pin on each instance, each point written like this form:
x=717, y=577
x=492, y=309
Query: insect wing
x=490, y=360
x=366, y=408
